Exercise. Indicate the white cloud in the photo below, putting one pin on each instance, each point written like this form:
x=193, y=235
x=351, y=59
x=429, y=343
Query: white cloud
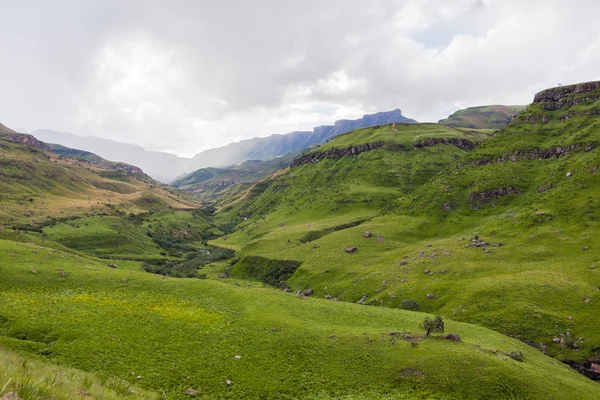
x=185, y=76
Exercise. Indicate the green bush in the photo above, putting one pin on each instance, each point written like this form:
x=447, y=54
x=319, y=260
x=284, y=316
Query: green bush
x=410, y=304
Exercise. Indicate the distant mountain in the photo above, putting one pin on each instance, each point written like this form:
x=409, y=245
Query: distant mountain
x=484, y=117
x=160, y=166
x=166, y=167
x=223, y=184
x=94, y=159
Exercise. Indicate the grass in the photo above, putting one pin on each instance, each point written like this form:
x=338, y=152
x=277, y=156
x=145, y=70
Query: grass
x=33, y=378
x=180, y=333
x=483, y=117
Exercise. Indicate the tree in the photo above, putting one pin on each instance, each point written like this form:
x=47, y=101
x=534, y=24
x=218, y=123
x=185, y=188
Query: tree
x=433, y=325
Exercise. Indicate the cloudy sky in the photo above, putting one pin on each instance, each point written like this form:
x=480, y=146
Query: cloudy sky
x=183, y=76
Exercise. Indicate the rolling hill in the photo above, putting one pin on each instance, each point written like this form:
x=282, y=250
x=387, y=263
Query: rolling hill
x=483, y=117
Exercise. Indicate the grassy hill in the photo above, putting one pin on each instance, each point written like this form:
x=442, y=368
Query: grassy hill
x=222, y=185
x=482, y=117
x=169, y=335
x=37, y=187
x=500, y=235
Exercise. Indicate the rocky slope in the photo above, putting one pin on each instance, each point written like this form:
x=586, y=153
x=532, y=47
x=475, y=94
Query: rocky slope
x=483, y=117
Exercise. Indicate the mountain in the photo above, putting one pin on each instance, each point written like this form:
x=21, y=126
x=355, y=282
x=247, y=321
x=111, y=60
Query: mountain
x=497, y=230
x=160, y=166
x=221, y=185
x=167, y=167
x=483, y=117
x=94, y=159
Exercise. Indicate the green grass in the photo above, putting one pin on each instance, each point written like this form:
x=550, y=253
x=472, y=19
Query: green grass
x=179, y=333
x=33, y=378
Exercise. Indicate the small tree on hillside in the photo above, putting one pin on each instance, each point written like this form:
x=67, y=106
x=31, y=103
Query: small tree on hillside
x=433, y=325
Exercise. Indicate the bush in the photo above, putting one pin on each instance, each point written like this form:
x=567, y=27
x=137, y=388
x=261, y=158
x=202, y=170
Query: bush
x=410, y=304
x=433, y=325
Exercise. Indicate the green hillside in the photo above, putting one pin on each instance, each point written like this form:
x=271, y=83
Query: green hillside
x=171, y=335
x=501, y=235
x=483, y=117
x=223, y=185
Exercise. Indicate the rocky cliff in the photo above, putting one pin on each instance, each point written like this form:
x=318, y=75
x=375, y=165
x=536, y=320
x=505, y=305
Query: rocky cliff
x=567, y=96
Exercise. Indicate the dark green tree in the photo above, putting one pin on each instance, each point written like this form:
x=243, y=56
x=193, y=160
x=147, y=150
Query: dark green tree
x=433, y=325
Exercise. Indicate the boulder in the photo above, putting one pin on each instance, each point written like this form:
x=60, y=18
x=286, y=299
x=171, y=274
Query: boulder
x=367, y=234
x=379, y=239
x=430, y=296
x=453, y=336
x=351, y=250
x=191, y=392
x=112, y=265
x=307, y=292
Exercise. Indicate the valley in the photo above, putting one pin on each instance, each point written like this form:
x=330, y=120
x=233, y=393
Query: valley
x=311, y=275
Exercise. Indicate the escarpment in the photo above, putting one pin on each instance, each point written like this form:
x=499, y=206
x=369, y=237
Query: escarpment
x=567, y=96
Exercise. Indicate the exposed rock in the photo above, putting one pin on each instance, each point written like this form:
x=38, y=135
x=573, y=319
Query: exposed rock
x=458, y=142
x=307, y=292
x=228, y=382
x=287, y=289
x=112, y=265
x=488, y=195
x=367, y=234
x=351, y=250
x=453, y=336
x=569, y=174
x=563, y=96
x=403, y=262
x=379, y=239
x=191, y=392
x=362, y=300
x=336, y=153
x=430, y=296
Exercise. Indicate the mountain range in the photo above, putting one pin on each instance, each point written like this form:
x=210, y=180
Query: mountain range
x=166, y=167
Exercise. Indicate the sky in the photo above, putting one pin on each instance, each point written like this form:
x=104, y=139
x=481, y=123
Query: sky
x=184, y=76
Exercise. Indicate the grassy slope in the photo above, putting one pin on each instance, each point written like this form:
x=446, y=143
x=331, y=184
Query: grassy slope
x=36, y=186
x=539, y=286
x=31, y=378
x=222, y=185
x=483, y=117
x=322, y=195
x=176, y=334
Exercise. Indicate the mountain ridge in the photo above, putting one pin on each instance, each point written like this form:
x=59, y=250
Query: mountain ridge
x=156, y=163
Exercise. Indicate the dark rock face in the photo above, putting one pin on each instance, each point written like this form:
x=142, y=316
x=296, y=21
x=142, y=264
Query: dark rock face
x=535, y=154
x=460, y=143
x=488, y=195
x=566, y=96
x=336, y=153
x=453, y=336
x=351, y=250
x=130, y=169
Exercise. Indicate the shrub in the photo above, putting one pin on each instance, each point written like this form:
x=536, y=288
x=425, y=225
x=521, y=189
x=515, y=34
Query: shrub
x=409, y=304
x=433, y=325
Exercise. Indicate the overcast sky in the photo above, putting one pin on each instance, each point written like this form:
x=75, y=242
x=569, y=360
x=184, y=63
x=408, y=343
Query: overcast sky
x=184, y=76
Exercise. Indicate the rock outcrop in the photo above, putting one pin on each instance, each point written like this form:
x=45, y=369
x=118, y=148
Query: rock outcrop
x=336, y=153
x=566, y=96
x=536, y=154
x=458, y=142
x=25, y=139
x=488, y=195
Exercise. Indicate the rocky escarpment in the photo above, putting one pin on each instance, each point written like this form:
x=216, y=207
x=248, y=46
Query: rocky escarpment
x=567, y=96
x=128, y=169
x=536, y=154
x=336, y=153
x=25, y=139
x=458, y=142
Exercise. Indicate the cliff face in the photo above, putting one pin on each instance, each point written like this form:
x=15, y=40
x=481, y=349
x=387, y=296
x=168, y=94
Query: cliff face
x=335, y=153
x=567, y=96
